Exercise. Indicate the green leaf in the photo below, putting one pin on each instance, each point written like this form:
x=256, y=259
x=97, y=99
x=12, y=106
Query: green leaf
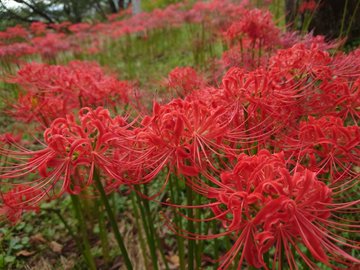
x=25, y=240
x=9, y=259
x=20, y=226
x=29, y=228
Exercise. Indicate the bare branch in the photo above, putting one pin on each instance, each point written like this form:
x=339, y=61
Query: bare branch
x=35, y=9
x=15, y=15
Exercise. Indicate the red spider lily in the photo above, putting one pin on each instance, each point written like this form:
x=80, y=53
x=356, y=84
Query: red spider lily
x=15, y=33
x=349, y=102
x=61, y=27
x=39, y=109
x=86, y=81
x=54, y=91
x=79, y=27
x=19, y=199
x=325, y=145
x=9, y=138
x=70, y=155
x=258, y=26
x=12, y=52
x=268, y=209
x=215, y=14
x=38, y=28
x=259, y=104
x=252, y=38
x=50, y=45
x=222, y=13
x=338, y=97
x=236, y=56
x=184, y=80
x=181, y=134
x=307, y=6
x=299, y=60
x=346, y=65
x=332, y=85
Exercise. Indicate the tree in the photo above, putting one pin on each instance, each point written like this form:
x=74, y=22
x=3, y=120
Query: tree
x=52, y=11
x=136, y=6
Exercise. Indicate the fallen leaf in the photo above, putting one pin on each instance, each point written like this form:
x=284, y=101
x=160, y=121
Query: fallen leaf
x=38, y=238
x=55, y=247
x=25, y=253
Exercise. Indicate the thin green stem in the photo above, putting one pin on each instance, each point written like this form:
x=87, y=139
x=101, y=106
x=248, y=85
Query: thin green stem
x=309, y=18
x=190, y=227
x=83, y=232
x=149, y=236
x=199, y=245
x=216, y=245
x=343, y=18
x=103, y=232
x=113, y=222
x=180, y=241
x=153, y=230
x=140, y=233
x=352, y=18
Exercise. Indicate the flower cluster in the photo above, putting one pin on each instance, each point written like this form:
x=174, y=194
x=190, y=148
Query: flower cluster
x=267, y=206
x=272, y=147
x=52, y=91
x=72, y=152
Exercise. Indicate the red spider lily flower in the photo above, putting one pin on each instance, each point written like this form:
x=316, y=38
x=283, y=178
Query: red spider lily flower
x=181, y=134
x=259, y=104
x=12, y=52
x=16, y=33
x=50, y=45
x=258, y=26
x=325, y=145
x=54, y=91
x=71, y=153
x=184, y=80
x=345, y=65
x=61, y=27
x=249, y=37
x=39, y=109
x=38, y=28
x=19, y=199
x=332, y=86
x=268, y=209
x=237, y=57
x=79, y=27
x=289, y=39
x=83, y=82
x=299, y=60
x=218, y=14
x=338, y=97
x=9, y=138
x=348, y=103
x=308, y=6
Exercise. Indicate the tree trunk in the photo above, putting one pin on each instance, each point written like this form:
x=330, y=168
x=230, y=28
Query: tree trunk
x=112, y=6
x=136, y=6
x=121, y=4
